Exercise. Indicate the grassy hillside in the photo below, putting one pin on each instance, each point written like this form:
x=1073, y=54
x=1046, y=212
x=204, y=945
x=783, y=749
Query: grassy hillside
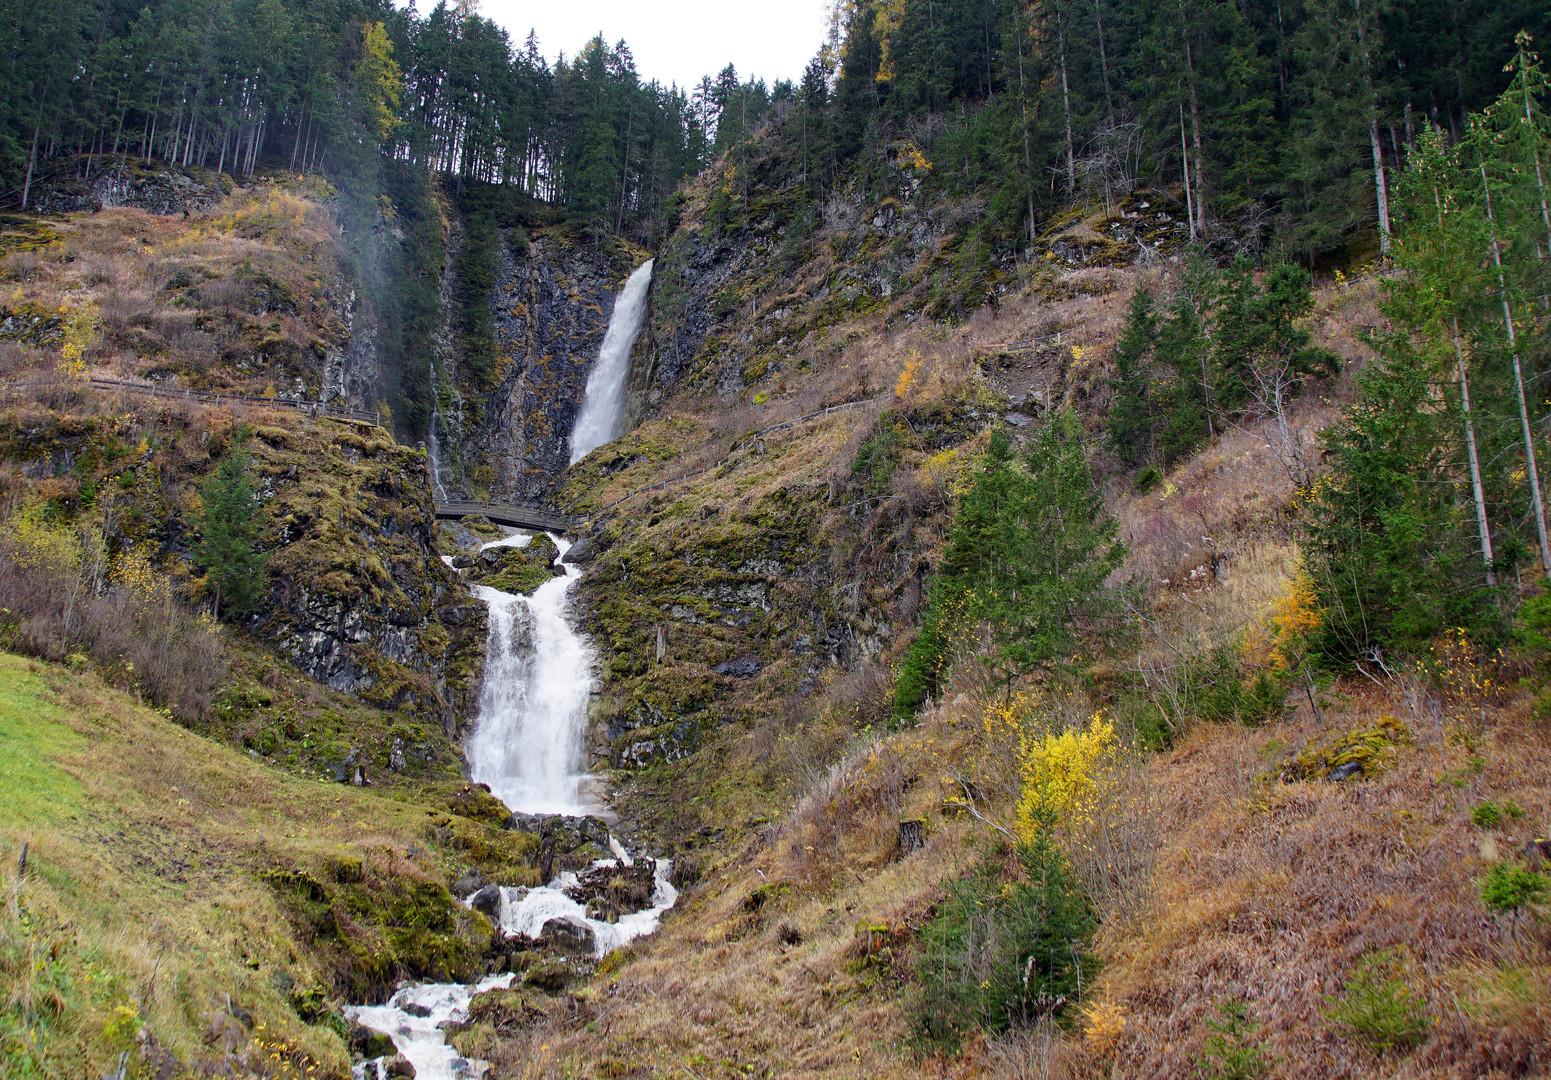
x=180, y=898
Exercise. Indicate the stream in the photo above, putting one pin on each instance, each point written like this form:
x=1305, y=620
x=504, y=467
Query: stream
x=528, y=746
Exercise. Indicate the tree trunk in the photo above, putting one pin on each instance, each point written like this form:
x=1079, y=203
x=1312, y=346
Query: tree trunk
x=1536, y=502
x=1476, y=491
x=1380, y=188
x=301, y=122
x=1195, y=126
x=1066, y=104
x=1028, y=154
x=32, y=160
x=1109, y=98
x=1184, y=165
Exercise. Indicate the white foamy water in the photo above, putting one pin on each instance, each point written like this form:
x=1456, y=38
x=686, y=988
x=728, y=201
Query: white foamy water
x=526, y=911
x=527, y=746
x=527, y=741
x=603, y=405
x=419, y=1039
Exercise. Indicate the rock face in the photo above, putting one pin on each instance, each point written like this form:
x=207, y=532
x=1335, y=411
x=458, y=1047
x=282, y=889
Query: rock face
x=360, y=599
x=551, y=308
x=160, y=190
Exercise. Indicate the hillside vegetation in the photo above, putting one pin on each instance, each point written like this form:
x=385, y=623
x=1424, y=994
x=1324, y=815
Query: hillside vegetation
x=1070, y=599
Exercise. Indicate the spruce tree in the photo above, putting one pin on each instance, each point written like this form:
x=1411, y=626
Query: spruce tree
x=1133, y=414
x=228, y=543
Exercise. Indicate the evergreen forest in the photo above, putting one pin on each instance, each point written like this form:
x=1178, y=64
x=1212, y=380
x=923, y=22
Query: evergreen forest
x=1285, y=121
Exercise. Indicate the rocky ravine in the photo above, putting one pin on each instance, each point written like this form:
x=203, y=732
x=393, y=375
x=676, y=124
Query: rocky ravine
x=551, y=307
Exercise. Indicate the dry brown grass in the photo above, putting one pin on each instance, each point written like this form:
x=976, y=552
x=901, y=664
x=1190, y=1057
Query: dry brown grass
x=254, y=282
x=1270, y=892
x=793, y=957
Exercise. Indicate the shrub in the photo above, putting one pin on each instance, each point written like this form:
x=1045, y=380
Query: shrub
x=1511, y=888
x=1147, y=479
x=1378, y=1008
x=997, y=954
x=60, y=599
x=1486, y=814
x=1234, y=1052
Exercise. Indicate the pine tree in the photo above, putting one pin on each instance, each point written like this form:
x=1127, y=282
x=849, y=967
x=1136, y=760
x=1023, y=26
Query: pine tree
x=1029, y=552
x=1133, y=414
x=228, y=543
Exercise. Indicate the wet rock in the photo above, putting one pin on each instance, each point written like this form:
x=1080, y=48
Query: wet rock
x=416, y=1010
x=613, y=889
x=398, y=1067
x=582, y=552
x=567, y=936
x=366, y=1043
x=487, y=901
x=469, y=882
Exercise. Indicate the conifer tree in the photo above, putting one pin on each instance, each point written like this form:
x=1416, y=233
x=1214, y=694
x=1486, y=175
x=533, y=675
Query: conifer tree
x=1133, y=414
x=228, y=542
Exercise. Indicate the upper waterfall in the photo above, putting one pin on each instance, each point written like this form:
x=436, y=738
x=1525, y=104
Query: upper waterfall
x=603, y=405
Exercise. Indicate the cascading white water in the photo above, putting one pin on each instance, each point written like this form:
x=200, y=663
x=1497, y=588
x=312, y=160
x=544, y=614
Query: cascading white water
x=527, y=745
x=433, y=444
x=527, y=742
x=419, y=1039
x=603, y=404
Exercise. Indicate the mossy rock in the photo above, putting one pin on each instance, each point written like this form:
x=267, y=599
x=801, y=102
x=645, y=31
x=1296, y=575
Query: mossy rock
x=475, y=802
x=501, y=855
x=394, y=922
x=1362, y=752
x=519, y=569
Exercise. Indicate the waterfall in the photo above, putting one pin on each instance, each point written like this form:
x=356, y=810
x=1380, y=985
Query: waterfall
x=527, y=745
x=603, y=405
x=527, y=741
x=433, y=444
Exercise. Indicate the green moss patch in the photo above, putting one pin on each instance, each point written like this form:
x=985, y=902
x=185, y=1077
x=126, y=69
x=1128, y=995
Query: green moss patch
x=1361, y=752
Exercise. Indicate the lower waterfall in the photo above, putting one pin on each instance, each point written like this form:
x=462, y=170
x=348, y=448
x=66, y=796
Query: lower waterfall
x=527, y=745
x=527, y=742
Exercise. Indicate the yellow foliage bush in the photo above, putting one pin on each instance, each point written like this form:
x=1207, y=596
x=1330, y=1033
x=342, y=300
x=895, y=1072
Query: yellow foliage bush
x=1295, y=615
x=1058, y=775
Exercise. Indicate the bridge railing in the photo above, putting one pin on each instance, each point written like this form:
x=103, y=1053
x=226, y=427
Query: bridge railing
x=515, y=516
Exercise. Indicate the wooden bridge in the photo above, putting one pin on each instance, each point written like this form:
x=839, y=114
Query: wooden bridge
x=517, y=517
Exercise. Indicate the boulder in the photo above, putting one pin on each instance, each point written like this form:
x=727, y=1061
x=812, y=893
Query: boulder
x=468, y=883
x=744, y=667
x=398, y=1067
x=366, y=1043
x=487, y=901
x=582, y=552
x=1351, y=770
x=567, y=936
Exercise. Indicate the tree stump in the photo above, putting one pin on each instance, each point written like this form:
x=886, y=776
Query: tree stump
x=912, y=836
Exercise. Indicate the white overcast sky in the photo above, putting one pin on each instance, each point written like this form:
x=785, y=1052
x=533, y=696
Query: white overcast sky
x=675, y=40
